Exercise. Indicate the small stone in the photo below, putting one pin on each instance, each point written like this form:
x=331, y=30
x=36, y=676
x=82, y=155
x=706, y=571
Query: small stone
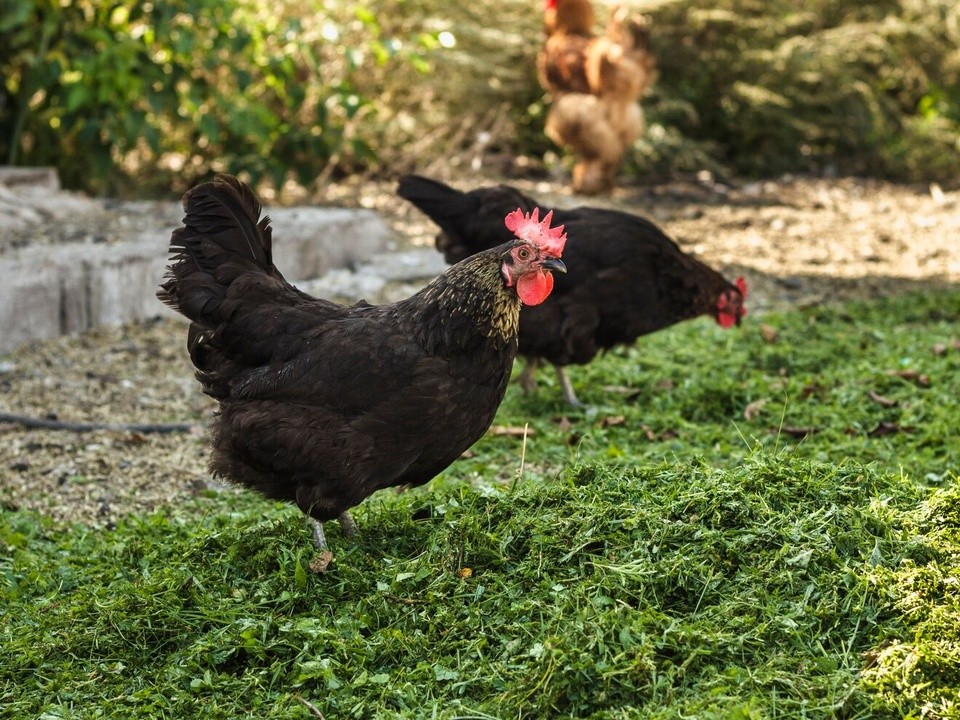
x=321, y=563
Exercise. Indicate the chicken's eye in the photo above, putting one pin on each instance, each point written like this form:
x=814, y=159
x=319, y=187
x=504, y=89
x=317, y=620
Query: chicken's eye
x=523, y=253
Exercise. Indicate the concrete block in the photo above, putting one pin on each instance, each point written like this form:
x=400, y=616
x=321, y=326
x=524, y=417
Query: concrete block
x=421, y=264
x=123, y=284
x=383, y=278
x=345, y=286
x=68, y=264
x=308, y=241
x=30, y=303
x=74, y=278
x=64, y=207
x=48, y=290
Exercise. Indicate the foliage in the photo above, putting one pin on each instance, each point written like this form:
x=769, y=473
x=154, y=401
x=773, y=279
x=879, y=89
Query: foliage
x=481, y=97
x=773, y=87
x=743, y=87
x=283, y=90
x=649, y=562
x=106, y=89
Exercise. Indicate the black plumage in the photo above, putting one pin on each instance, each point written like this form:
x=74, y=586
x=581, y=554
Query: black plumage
x=322, y=404
x=625, y=277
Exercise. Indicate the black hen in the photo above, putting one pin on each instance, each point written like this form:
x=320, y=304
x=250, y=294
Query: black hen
x=625, y=277
x=322, y=404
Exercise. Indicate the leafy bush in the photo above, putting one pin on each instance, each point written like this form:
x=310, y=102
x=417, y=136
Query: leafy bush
x=286, y=90
x=744, y=86
x=768, y=87
x=103, y=90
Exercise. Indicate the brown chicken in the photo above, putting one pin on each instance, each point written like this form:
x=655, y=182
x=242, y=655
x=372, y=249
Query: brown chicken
x=625, y=279
x=322, y=404
x=595, y=83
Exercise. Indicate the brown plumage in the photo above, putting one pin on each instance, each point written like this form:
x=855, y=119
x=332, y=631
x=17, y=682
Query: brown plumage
x=625, y=277
x=322, y=404
x=595, y=83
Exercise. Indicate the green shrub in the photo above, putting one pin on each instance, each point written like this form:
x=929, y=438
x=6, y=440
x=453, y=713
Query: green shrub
x=771, y=87
x=167, y=92
x=108, y=90
x=744, y=86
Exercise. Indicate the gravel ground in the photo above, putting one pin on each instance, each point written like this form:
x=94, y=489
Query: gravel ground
x=798, y=242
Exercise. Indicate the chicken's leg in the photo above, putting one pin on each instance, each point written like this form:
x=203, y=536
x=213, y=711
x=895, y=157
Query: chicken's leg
x=319, y=539
x=348, y=526
x=527, y=378
x=567, y=387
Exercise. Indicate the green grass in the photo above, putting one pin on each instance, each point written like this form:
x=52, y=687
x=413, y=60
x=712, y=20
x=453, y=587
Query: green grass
x=721, y=569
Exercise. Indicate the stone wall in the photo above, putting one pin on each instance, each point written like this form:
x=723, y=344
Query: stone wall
x=51, y=289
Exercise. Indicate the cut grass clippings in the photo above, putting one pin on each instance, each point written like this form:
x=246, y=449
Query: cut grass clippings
x=661, y=557
x=658, y=592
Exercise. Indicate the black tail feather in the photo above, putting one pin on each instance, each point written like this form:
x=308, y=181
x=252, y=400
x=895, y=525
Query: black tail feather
x=222, y=237
x=434, y=198
x=470, y=221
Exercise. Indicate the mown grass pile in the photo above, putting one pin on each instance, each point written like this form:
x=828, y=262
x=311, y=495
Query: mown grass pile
x=670, y=560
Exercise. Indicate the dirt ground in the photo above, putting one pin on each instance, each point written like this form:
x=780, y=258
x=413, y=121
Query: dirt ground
x=798, y=241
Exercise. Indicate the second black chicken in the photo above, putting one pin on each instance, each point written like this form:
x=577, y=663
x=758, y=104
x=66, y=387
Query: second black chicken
x=625, y=277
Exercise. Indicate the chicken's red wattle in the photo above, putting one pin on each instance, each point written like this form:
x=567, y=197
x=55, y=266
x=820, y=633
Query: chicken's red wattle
x=534, y=287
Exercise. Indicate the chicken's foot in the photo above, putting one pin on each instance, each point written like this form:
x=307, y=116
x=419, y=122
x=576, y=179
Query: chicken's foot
x=321, y=563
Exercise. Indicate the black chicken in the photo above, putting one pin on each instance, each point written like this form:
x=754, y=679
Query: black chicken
x=322, y=404
x=626, y=278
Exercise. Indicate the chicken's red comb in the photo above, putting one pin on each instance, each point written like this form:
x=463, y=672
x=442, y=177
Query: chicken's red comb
x=529, y=227
x=742, y=286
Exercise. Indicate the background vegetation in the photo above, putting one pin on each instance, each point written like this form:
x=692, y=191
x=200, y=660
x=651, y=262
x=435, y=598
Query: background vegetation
x=166, y=92
x=654, y=559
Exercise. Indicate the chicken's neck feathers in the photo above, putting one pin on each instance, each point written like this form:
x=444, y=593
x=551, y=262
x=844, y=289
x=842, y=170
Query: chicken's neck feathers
x=470, y=294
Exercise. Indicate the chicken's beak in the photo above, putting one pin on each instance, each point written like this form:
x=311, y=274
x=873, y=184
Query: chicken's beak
x=553, y=264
